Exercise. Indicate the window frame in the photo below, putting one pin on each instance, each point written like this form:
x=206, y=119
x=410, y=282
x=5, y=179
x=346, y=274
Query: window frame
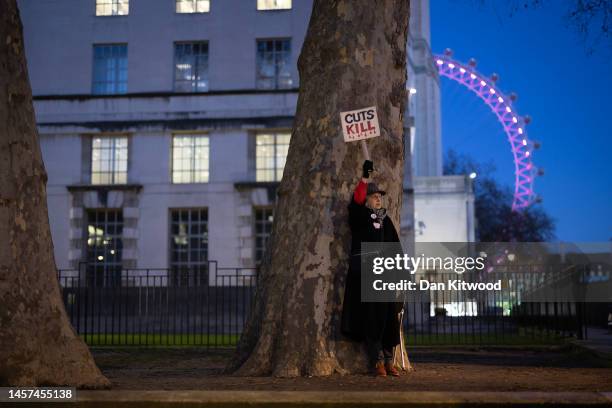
x=276, y=70
x=266, y=237
x=174, y=63
x=275, y=133
x=112, y=3
x=273, y=9
x=113, y=159
x=176, y=2
x=193, y=168
x=111, y=273
x=175, y=278
x=116, y=66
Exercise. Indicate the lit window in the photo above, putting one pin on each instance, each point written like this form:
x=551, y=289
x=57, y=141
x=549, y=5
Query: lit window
x=270, y=155
x=104, y=247
x=273, y=4
x=263, y=229
x=110, y=69
x=192, y=6
x=190, y=159
x=109, y=160
x=273, y=64
x=189, y=247
x=191, y=67
x=112, y=7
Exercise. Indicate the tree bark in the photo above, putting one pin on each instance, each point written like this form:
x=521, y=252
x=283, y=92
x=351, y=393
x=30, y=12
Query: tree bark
x=354, y=56
x=38, y=346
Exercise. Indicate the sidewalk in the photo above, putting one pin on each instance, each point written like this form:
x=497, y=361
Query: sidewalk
x=370, y=399
x=445, y=370
x=599, y=341
x=444, y=377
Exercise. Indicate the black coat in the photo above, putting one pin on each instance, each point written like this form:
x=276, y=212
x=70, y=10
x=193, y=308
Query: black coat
x=367, y=319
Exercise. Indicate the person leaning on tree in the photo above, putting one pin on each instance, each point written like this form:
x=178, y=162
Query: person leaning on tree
x=376, y=323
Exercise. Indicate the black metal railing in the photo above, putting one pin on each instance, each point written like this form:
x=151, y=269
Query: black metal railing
x=199, y=306
x=208, y=306
x=489, y=317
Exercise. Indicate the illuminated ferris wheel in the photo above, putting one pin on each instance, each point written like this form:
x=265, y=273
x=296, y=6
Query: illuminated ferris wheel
x=514, y=125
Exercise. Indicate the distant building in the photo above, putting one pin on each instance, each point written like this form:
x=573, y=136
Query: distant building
x=443, y=205
x=165, y=124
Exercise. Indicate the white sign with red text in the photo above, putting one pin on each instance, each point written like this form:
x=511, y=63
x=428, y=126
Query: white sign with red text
x=359, y=124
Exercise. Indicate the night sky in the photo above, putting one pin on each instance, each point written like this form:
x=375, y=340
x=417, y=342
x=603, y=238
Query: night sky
x=563, y=88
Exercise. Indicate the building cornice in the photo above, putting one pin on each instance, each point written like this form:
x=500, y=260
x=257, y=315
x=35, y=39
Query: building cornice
x=163, y=94
x=104, y=187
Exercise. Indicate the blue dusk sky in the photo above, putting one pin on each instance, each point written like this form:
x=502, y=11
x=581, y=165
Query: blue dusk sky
x=563, y=88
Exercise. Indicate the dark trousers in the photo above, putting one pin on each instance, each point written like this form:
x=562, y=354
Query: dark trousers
x=381, y=348
x=378, y=351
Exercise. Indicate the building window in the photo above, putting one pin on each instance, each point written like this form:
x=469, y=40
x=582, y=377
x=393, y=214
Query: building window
x=270, y=155
x=104, y=247
x=112, y=7
x=191, y=67
x=109, y=160
x=273, y=4
x=192, y=6
x=189, y=247
x=263, y=229
x=273, y=64
x=190, y=159
x=110, y=69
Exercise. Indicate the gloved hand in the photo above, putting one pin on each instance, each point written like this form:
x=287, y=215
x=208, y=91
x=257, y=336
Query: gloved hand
x=368, y=167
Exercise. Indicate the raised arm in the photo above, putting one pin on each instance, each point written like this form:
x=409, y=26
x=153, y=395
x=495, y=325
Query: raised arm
x=359, y=196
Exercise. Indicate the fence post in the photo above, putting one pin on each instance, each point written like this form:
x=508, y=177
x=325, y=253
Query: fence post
x=580, y=328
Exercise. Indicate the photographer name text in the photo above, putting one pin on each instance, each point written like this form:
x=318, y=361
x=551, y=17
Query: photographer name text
x=451, y=284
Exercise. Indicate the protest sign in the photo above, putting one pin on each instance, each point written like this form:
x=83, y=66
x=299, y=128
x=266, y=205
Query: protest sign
x=359, y=124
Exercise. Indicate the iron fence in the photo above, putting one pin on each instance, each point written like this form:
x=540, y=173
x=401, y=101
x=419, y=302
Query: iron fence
x=208, y=307
x=490, y=317
x=198, y=306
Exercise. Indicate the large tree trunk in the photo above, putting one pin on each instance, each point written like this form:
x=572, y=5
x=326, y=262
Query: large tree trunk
x=38, y=346
x=354, y=56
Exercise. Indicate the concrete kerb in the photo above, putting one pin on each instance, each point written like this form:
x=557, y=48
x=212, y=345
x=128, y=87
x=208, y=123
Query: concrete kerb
x=577, y=345
x=337, y=399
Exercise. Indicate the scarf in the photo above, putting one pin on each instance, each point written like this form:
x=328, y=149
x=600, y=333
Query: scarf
x=381, y=213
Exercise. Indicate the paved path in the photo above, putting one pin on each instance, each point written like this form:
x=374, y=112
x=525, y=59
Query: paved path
x=599, y=341
x=368, y=399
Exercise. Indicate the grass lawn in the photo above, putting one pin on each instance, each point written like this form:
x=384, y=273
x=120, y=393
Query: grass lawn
x=481, y=339
x=151, y=339
x=522, y=337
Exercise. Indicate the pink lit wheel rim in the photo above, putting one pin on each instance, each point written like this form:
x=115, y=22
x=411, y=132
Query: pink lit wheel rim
x=514, y=125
